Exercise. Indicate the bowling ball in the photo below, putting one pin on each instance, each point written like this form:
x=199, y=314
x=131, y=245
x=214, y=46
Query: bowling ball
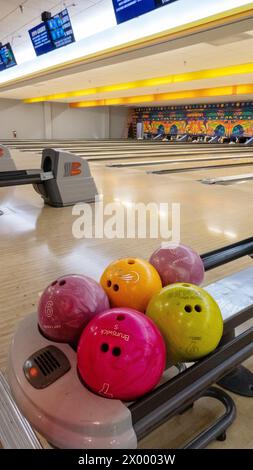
x=131, y=282
x=121, y=354
x=189, y=319
x=67, y=305
x=178, y=263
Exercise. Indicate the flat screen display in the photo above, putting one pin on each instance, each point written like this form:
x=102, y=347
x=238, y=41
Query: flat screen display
x=52, y=34
x=7, y=58
x=126, y=10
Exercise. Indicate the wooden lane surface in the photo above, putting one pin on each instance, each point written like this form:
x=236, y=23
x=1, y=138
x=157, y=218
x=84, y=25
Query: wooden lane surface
x=149, y=164
x=137, y=158
x=113, y=144
x=37, y=246
x=123, y=150
x=159, y=150
x=146, y=149
x=107, y=141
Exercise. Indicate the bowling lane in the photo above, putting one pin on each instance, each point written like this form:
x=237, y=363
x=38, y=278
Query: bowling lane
x=124, y=146
x=149, y=162
x=140, y=153
x=111, y=156
x=194, y=157
x=217, y=173
x=122, y=155
x=233, y=187
x=26, y=160
x=186, y=165
x=33, y=145
x=82, y=145
x=129, y=142
x=205, y=165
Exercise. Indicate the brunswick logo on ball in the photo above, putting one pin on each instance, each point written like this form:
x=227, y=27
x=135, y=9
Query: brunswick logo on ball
x=115, y=333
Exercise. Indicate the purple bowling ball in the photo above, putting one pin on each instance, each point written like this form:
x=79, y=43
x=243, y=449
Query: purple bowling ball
x=67, y=305
x=178, y=263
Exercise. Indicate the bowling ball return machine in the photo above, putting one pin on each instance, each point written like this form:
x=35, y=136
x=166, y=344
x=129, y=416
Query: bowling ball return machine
x=64, y=179
x=43, y=382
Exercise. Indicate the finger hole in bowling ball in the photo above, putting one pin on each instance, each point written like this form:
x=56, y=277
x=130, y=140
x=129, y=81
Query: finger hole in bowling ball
x=116, y=287
x=188, y=308
x=54, y=283
x=198, y=308
x=62, y=283
x=104, y=347
x=186, y=285
x=109, y=283
x=121, y=317
x=116, y=352
x=131, y=261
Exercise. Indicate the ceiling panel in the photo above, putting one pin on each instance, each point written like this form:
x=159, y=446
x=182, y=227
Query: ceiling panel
x=187, y=59
x=15, y=22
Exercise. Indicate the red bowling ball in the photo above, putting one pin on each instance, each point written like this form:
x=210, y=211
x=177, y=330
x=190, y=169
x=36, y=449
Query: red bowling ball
x=67, y=305
x=178, y=263
x=121, y=354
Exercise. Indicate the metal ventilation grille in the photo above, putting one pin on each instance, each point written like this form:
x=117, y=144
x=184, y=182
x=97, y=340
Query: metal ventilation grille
x=47, y=363
x=46, y=366
x=67, y=169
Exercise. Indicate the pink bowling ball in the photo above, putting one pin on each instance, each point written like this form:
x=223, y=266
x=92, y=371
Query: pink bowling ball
x=67, y=305
x=121, y=354
x=178, y=263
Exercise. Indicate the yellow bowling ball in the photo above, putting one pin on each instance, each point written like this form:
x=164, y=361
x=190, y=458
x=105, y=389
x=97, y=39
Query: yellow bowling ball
x=131, y=282
x=189, y=319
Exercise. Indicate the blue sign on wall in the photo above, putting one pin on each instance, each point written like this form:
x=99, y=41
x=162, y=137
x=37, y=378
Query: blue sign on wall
x=127, y=9
x=7, y=58
x=52, y=34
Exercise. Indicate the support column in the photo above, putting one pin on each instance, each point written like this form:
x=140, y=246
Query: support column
x=107, y=122
x=48, y=121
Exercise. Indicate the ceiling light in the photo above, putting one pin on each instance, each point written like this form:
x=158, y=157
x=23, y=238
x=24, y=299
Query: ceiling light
x=204, y=74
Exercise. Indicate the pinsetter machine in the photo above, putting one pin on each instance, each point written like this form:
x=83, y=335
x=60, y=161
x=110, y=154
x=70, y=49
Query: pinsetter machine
x=43, y=383
x=64, y=179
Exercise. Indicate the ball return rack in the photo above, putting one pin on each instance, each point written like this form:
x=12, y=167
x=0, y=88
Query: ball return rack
x=64, y=179
x=70, y=416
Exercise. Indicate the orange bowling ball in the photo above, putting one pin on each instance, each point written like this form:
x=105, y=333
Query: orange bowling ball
x=131, y=282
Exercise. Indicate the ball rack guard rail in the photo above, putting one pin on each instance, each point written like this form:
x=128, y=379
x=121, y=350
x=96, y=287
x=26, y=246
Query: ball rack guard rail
x=179, y=393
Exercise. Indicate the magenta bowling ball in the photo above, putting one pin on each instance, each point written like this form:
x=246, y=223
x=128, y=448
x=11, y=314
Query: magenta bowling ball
x=178, y=263
x=121, y=354
x=67, y=305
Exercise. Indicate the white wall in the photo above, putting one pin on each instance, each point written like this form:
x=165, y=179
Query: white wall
x=27, y=120
x=118, y=122
x=59, y=121
x=79, y=123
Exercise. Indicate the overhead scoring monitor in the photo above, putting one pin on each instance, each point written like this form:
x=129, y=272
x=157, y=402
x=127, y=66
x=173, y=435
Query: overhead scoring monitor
x=52, y=34
x=7, y=58
x=128, y=9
